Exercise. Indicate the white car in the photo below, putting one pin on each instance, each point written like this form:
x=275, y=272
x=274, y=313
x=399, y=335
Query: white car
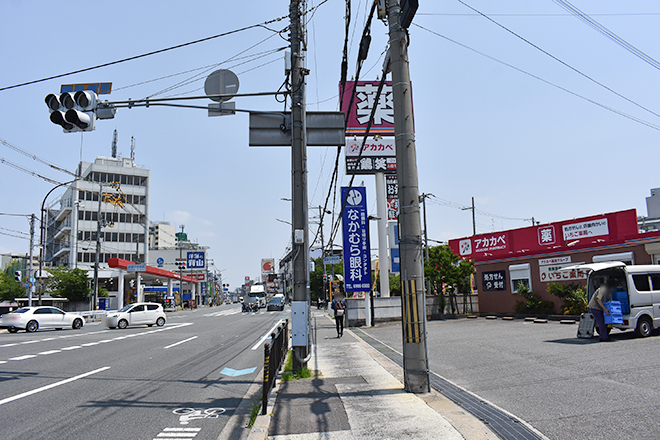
x=31, y=319
x=136, y=314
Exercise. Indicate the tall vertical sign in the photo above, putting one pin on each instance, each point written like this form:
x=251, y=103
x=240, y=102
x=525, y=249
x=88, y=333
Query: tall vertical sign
x=355, y=228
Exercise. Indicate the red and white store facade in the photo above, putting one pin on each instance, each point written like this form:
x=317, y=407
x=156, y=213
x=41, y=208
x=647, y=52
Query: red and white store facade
x=535, y=256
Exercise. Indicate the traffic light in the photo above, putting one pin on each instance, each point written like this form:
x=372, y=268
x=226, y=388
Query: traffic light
x=181, y=265
x=78, y=111
x=18, y=276
x=73, y=112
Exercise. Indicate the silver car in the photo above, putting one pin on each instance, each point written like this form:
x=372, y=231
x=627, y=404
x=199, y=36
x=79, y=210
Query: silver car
x=136, y=314
x=31, y=319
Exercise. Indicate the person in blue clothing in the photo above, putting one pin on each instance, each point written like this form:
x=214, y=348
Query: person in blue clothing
x=339, y=306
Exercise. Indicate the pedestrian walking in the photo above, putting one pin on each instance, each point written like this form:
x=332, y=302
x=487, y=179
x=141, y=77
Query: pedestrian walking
x=598, y=309
x=339, y=306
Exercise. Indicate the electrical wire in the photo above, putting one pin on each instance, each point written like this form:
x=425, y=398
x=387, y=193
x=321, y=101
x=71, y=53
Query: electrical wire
x=87, y=69
x=34, y=157
x=608, y=33
x=558, y=60
x=538, y=15
x=613, y=110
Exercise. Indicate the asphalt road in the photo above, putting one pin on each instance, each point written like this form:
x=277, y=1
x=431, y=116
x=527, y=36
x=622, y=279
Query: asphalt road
x=134, y=383
x=567, y=388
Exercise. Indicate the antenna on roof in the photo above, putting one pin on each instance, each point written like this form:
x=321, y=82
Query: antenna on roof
x=132, y=148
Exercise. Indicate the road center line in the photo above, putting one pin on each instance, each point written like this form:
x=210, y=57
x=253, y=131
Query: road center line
x=180, y=342
x=53, y=385
x=267, y=335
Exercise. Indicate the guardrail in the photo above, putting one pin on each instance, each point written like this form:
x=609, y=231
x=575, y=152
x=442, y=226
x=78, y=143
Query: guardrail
x=274, y=354
x=92, y=315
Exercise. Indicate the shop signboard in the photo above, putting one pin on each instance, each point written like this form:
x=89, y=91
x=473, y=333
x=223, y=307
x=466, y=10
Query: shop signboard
x=378, y=156
x=555, y=272
x=355, y=228
x=569, y=235
x=494, y=280
x=364, y=102
x=392, y=190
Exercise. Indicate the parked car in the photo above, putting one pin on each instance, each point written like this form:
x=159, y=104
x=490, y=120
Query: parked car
x=275, y=303
x=31, y=319
x=136, y=314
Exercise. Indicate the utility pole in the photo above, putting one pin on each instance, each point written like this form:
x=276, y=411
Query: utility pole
x=325, y=275
x=29, y=267
x=98, y=249
x=474, y=223
x=415, y=356
x=300, y=249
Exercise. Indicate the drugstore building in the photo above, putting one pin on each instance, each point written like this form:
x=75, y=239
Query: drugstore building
x=535, y=256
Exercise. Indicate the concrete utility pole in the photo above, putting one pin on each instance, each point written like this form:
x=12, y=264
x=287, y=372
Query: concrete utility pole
x=98, y=249
x=30, y=285
x=300, y=251
x=415, y=356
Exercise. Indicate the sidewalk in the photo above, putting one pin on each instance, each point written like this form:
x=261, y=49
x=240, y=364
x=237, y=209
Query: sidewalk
x=358, y=395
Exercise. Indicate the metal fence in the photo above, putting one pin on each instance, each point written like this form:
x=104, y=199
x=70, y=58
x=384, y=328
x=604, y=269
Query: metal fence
x=274, y=354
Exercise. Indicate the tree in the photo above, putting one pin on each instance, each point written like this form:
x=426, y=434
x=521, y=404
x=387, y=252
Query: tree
x=9, y=288
x=316, y=277
x=69, y=283
x=446, y=269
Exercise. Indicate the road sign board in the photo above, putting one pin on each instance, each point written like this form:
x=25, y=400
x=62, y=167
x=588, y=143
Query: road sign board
x=136, y=268
x=335, y=259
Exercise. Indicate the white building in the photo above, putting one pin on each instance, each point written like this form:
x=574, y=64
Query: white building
x=162, y=235
x=124, y=212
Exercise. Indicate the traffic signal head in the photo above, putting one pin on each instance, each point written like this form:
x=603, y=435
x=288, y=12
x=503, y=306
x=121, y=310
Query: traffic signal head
x=73, y=112
x=18, y=275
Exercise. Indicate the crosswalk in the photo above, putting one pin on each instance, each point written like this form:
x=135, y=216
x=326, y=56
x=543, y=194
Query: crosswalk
x=224, y=313
x=178, y=434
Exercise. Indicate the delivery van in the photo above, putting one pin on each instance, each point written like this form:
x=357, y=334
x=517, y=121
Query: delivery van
x=637, y=288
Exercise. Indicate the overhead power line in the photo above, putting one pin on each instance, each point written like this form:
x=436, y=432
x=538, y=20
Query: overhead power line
x=613, y=110
x=608, y=33
x=178, y=46
x=34, y=157
x=559, y=60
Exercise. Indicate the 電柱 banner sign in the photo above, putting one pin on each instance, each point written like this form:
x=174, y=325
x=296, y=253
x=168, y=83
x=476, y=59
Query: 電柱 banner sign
x=355, y=228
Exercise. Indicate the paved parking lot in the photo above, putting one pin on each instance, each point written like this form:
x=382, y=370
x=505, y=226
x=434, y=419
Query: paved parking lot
x=565, y=387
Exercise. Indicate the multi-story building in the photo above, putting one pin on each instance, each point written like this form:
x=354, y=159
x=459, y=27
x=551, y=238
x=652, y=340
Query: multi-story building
x=162, y=235
x=124, y=213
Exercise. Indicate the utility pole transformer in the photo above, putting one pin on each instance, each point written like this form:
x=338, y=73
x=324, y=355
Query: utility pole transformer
x=415, y=355
x=300, y=247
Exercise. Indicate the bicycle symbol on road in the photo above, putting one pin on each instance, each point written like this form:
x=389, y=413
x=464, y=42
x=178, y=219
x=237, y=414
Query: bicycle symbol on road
x=188, y=414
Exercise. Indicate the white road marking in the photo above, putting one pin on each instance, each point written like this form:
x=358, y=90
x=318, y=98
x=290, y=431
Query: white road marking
x=267, y=335
x=181, y=342
x=178, y=433
x=29, y=342
x=50, y=352
x=53, y=385
x=8, y=345
x=22, y=358
x=90, y=344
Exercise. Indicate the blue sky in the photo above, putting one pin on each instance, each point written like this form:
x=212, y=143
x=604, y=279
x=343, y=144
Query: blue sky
x=520, y=146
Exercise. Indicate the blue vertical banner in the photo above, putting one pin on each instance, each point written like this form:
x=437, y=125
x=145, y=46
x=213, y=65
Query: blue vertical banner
x=355, y=228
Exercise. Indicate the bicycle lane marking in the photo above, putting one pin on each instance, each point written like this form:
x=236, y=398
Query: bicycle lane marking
x=53, y=385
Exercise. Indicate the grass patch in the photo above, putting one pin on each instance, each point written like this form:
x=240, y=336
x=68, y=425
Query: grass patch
x=289, y=374
x=255, y=410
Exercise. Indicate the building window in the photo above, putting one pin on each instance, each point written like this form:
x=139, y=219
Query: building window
x=625, y=257
x=520, y=274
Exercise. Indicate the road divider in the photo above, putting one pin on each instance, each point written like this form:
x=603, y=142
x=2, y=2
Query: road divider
x=267, y=335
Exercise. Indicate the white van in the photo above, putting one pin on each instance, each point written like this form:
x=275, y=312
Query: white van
x=638, y=289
